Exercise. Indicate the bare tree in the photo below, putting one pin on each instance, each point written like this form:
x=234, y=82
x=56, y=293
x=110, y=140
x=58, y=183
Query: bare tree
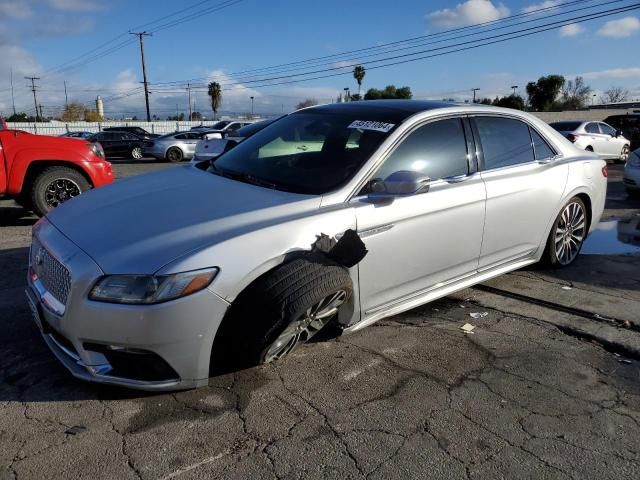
x=575, y=94
x=309, y=102
x=614, y=95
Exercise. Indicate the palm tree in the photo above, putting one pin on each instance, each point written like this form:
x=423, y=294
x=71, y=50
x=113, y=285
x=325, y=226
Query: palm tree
x=358, y=74
x=215, y=93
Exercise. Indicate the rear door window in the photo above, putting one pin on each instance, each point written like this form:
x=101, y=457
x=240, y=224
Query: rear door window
x=505, y=142
x=592, y=128
x=607, y=130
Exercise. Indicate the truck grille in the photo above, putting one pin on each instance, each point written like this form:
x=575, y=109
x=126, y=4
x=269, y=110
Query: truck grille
x=54, y=275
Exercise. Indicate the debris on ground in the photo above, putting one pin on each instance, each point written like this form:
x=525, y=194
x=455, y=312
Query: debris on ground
x=468, y=328
x=478, y=314
x=567, y=287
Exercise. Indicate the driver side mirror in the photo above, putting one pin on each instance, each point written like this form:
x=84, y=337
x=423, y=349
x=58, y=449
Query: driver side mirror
x=618, y=133
x=401, y=183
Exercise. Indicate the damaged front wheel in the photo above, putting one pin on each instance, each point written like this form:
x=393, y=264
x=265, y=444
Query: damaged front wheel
x=281, y=310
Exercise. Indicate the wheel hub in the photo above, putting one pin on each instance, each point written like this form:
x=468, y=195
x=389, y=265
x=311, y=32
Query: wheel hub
x=60, y=191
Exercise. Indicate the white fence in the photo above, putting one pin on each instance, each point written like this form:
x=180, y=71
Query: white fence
x=58, y=128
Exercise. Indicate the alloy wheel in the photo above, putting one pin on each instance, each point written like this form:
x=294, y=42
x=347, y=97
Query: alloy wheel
x=136, y=153
x=570, y=233
x=306, y=326
x=61, y=190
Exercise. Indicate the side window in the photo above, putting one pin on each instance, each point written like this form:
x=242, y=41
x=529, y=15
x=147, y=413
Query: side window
x=182, y=136
x=438, y=150
x=607, y=130
x=233, y=127
x=505, y=142
x=592, y=128
x=541, y=148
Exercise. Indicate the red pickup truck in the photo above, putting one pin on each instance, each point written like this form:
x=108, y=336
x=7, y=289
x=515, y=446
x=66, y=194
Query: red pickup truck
x=40, y=172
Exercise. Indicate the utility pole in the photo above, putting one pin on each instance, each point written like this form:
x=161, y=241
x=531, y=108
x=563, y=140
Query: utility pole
x=13, y=100
x=189, y=95
x=474, y=90
x=66, y=100
x=33, y=89
x=251, y=106
x=40, y=107
x=140, y=36
x=515, y=88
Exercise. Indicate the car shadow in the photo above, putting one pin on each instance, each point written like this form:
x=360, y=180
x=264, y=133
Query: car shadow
x=13, y=215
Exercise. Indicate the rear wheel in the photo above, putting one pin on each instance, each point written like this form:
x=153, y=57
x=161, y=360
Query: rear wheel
x=136, y=153
x=280, y=311
x=56, y=185
x=175, y=155
x=567, y=234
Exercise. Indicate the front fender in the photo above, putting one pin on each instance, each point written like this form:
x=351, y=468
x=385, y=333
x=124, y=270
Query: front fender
x=26, y=157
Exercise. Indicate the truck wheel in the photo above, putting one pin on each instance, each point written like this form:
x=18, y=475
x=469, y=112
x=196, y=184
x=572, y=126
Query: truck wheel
x=56, y=185
x=280, y=311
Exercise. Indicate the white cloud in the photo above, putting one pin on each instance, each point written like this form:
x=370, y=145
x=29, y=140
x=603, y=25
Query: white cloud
x=75, y=5
x=614, y=73
x=541, y=5
x=625, y=27
x=468, y=13
x=571, y=30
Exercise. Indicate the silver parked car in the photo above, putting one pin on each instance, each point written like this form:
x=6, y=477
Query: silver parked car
x=631, y=178
x=174, y=147
x=597, y=137
x=339, y=214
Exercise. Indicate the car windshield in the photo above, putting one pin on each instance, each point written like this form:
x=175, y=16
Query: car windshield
x=312, y=152
x=566, y=126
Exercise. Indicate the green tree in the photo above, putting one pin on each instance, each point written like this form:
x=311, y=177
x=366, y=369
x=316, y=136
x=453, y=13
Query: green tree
x=543, y=93
x=359, y=73
x=309, y=102
x=73, y=112
x=196, y=116
x=512, y=101
x=486, y=101
x=389, y=92
x=215, y=94
x=20, y=117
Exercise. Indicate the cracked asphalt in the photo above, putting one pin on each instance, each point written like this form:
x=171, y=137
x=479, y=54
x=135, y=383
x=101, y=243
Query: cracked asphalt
x=412, y=396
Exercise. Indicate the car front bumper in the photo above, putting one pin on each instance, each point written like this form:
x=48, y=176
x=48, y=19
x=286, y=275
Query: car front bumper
x=156, y=151
x=151, y=347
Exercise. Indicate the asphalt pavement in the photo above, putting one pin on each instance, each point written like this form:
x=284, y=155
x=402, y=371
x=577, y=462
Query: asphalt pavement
x=546, y=385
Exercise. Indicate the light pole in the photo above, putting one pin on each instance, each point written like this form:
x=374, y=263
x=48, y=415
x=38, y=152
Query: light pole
x=474, y=90
x=347, y=96
x=515, y=88
x=593, y=99
x=251, y=106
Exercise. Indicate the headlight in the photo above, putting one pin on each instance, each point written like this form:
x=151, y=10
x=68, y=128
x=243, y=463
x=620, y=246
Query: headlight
x=149, y=289
x=96, y=148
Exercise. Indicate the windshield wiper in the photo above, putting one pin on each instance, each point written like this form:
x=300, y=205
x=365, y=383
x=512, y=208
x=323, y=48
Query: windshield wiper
x=246, y=178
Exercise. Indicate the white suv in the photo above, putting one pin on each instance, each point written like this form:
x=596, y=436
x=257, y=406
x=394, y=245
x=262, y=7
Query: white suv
x=598, y=137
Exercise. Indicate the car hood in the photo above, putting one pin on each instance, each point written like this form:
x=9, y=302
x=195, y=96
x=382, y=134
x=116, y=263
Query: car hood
x=140, y=224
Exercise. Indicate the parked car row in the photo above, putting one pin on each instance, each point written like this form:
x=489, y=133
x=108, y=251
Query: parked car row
x=598, y=137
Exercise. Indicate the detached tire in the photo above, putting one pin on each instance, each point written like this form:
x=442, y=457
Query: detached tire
x=56, y=185
x=175, y=155
x=279, y=311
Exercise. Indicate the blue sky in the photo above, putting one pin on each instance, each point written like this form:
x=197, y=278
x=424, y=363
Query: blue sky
x=38, y=36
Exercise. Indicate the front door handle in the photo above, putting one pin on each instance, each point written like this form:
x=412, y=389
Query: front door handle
x=457, y=178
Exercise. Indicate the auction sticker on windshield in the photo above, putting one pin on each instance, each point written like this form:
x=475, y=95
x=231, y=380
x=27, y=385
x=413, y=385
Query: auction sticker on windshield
x=371, y=125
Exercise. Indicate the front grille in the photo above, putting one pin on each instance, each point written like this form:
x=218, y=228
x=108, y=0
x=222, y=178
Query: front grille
x=54, y=275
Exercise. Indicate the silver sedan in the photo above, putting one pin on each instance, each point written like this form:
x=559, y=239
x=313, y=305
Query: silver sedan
x=339, y=214
x=174, y=147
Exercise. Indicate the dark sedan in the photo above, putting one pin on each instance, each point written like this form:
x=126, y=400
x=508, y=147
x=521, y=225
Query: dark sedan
x=119, y=144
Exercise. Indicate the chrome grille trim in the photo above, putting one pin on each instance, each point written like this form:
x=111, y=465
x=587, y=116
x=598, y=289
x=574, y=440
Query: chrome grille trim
x=53, y=275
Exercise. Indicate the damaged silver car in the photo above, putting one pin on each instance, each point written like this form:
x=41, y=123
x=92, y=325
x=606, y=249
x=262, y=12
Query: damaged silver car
x=333, y=216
